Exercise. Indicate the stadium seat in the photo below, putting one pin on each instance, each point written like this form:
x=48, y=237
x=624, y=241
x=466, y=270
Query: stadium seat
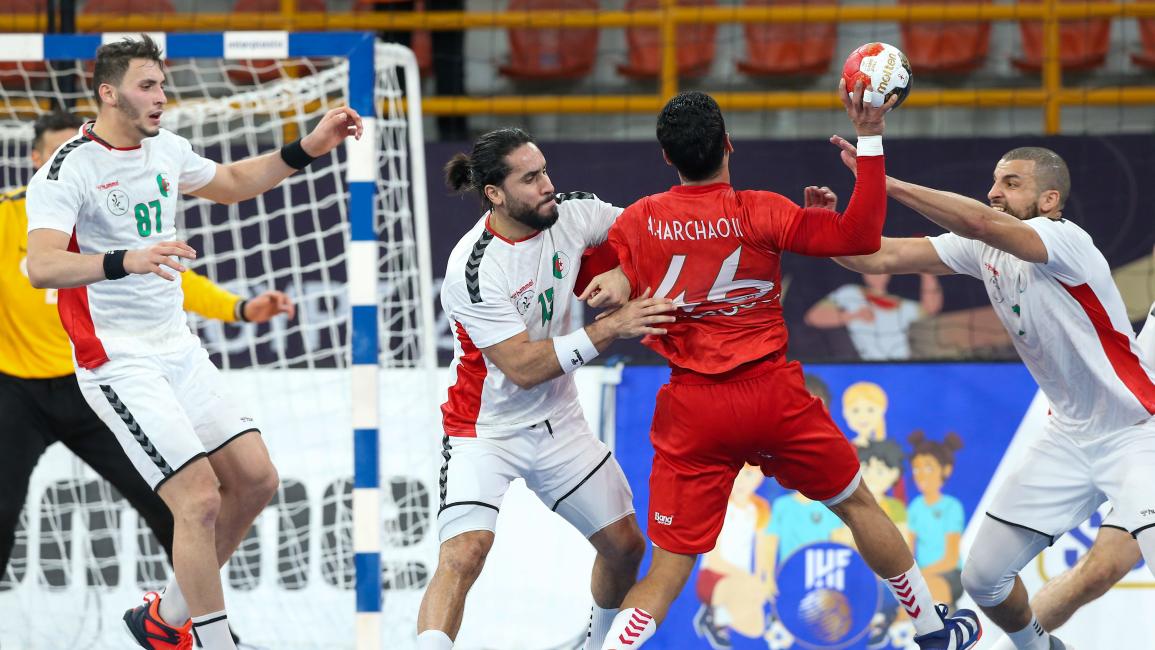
x=264, y=70
x=1083, y=44
x=695, y=45
x=116, y=10
x=1146, y=57
x=420, y=41
x=13, y=74
x=550, y=54
x=788, y=48
x=945, y=47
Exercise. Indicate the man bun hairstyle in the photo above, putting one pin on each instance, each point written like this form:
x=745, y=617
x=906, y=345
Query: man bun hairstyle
x=486, y=165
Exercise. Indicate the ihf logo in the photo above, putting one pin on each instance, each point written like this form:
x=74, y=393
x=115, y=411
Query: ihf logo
x=827, y=597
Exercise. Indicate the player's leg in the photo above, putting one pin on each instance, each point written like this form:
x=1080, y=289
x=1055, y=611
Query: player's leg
x=693, y=472
x=248, y=479
x=1122, y=469
x=459, y=563
x=248, y=482
x=807, y=452
x=135, y=400
x=23, y=438
x=576, y=476
x=77, y=427
x=1048, y=494
x=474, y=478
x=1113, y=555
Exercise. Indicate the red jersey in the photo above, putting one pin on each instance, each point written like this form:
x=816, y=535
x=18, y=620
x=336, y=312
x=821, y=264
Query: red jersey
x=717, y=253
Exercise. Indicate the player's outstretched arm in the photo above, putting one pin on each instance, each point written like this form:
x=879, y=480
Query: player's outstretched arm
x=961, y=215
x=821, y=232
x=899, y=255
x=529, y=363
x=206, y=298
x=52, y=266
x=251, y=177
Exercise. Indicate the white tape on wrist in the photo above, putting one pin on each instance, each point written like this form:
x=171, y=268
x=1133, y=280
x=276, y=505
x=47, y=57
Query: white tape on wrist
x=869, y=145
x=574, y=350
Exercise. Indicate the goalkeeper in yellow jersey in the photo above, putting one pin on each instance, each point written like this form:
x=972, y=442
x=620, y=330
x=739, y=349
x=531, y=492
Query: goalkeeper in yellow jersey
x=39, y=396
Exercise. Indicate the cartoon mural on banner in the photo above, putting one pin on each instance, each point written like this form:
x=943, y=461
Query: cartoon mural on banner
x=785, y=574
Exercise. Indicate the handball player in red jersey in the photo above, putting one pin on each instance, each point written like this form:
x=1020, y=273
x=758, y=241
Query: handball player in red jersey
x=732, y=397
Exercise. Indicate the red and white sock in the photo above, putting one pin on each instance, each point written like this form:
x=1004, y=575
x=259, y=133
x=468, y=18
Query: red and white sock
x=631, y=629
x=913, y=594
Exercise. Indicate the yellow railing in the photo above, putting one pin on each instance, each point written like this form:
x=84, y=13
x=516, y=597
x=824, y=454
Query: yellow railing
x=1050, y=95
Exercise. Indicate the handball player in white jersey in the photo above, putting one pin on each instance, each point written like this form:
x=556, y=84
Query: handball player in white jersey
x=101, y=221
x=513, y=408
x=1114, y=554
x=1053, y=291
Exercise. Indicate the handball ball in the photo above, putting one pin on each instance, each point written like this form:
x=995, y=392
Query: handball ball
x=884, y=71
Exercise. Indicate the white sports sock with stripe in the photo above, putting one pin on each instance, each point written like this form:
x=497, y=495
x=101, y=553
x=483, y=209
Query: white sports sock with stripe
x=912, y=592
x=211, y=631
x=1031, y=637
x=600, y=622
x=631, y=629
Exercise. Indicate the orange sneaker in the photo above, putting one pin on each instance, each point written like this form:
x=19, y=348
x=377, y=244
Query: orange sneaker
x=149, y=630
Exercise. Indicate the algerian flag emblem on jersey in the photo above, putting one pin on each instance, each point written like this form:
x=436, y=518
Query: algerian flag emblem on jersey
x=560, y=265
x=162, y=184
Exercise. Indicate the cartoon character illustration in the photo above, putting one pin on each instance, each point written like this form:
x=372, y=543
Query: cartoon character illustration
x=882, y=462
x=936, y=520
x=877, y=321
x=794, y=522
x=730, y=581
x=864, y=408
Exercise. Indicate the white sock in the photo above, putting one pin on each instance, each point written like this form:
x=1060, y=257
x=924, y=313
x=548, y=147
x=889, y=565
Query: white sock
x=173, y=608
x=1031, y=637
x=211, y=631
x=600, y=622
x=434, y=640
x=631, y=629
x=913, y=594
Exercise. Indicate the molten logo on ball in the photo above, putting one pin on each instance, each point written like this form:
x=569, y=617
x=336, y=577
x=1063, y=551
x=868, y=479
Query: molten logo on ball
x=883, y=70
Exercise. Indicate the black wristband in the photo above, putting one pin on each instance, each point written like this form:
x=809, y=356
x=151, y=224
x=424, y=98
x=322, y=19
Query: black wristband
x=294, y=155
x=114, y=265
x=239, y=311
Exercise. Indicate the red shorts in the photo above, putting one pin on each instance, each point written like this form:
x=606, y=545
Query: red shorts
x=706, y=427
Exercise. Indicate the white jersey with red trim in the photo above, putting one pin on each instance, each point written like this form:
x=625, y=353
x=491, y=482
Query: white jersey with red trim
x=1069, y=325
x=495, y=289
x=108, y=199
x=1146, y=338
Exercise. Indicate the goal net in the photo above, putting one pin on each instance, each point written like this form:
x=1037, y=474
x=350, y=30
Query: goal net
x=82, y=555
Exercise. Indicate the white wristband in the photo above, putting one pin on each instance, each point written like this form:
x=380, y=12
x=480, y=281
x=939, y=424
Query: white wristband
x=574, y=350
x=869, y=145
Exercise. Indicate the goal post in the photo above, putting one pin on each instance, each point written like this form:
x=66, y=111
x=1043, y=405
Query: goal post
x=348, y=238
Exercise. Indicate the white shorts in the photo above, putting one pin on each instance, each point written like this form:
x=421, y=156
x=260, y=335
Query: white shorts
x=567, y=467
x=166, y=410
x=1062, y=481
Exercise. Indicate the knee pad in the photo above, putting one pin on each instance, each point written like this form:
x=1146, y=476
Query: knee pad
x=987, y=585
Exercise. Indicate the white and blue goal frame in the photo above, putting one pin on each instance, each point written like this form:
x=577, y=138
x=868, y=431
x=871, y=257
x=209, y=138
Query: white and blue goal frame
x=359, y=48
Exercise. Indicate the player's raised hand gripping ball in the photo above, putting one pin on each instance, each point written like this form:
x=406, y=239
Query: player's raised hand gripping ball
x=883, y=69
